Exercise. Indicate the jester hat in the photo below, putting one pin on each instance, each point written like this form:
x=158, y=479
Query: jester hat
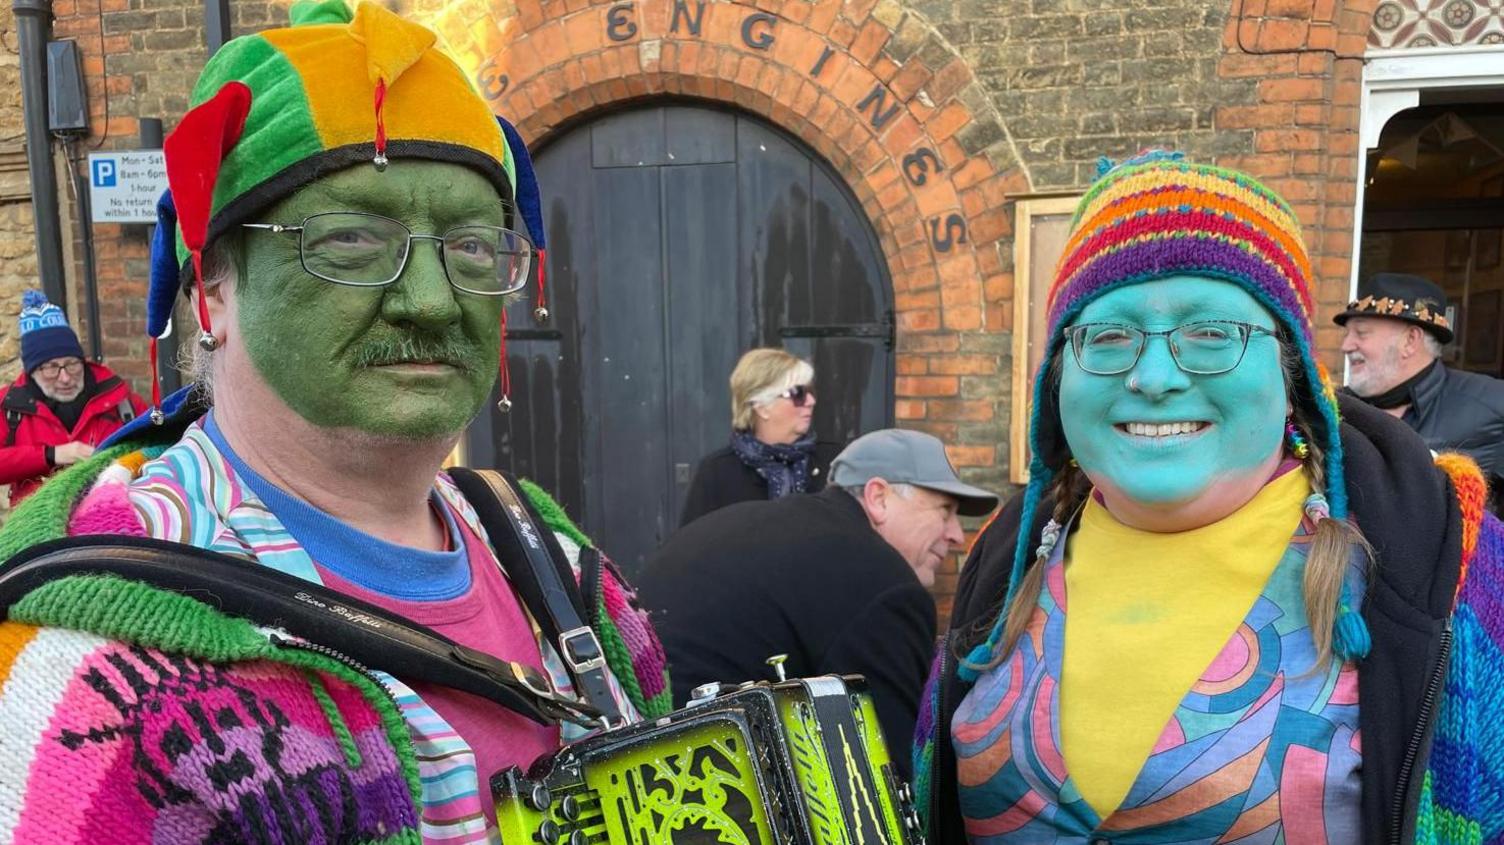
x=276, y=110
x=1152, y=217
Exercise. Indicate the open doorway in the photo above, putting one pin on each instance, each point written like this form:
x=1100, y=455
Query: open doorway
x=1433, y=205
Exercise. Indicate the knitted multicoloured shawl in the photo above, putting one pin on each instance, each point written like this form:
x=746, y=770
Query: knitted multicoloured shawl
x=1462, y=798
x=91, y=499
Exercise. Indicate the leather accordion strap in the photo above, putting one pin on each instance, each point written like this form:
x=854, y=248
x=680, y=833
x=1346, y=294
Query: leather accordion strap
x=555, y=602
x=334, y=624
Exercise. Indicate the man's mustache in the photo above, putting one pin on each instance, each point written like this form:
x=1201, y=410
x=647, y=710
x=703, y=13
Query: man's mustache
x=417, y=348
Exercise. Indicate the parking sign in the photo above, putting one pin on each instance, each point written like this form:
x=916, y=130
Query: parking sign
x=124, y=186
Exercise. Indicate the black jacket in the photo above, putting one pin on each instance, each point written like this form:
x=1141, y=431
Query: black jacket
x=1406, y=508
x=1460, y=411
x=804, y=576
x=722, y=479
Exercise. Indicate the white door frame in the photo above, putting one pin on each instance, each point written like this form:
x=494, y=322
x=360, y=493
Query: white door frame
x=1392, y=82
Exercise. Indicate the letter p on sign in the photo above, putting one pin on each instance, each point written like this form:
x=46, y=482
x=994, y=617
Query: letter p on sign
x=104, y=173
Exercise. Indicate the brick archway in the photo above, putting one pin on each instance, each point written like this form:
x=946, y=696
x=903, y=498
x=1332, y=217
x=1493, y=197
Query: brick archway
x=872, y=88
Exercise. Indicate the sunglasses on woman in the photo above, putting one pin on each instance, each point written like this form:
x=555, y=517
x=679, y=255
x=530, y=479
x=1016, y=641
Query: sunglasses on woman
x=799, y=394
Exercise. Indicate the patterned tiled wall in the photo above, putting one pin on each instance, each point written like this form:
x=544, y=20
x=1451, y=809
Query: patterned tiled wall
x=1410, y=24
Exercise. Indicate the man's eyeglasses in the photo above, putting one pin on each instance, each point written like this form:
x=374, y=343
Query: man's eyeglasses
x=1207, y=348
x=799, y=394
x=367, y=250
x=52, y=369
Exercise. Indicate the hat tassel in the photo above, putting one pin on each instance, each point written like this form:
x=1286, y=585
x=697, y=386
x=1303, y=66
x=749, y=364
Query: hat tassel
x=541, y=312
x=504, y=404
x=206, y=339
x=380, y=160
x=156, y=383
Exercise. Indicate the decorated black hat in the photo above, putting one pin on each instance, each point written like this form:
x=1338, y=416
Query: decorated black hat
x=1401, y=296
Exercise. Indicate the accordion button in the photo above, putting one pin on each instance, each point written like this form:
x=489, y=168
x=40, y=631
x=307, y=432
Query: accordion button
x=548, y=832
x=570, y=807
x=578, y=838
x=538, y=797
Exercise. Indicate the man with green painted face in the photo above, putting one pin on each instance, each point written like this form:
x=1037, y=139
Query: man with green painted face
x=345, y=219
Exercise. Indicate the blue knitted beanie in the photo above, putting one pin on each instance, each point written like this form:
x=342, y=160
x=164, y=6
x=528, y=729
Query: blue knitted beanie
x=45, y=333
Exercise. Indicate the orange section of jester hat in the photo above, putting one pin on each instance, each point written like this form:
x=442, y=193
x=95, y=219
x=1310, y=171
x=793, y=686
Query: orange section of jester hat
x=394, y=87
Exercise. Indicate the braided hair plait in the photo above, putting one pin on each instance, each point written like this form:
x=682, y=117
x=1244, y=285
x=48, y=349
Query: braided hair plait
x=1069, y=487
x=1327, y=561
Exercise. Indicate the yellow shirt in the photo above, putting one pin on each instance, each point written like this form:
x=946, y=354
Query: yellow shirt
x=1146, y=614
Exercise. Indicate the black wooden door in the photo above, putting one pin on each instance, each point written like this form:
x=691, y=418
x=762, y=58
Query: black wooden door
x=679, y=237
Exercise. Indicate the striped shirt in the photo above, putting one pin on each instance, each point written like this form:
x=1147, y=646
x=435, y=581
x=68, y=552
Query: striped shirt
x=191, y=494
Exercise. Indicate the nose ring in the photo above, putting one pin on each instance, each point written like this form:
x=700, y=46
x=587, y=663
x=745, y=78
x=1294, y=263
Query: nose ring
x=1133, y=382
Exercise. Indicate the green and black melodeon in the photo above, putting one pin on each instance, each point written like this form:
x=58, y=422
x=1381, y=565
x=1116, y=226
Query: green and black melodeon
x=799, y=762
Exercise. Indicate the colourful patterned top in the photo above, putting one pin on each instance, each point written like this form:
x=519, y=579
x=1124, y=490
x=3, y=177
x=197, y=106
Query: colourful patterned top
x=1261, y=749
x=302, y=748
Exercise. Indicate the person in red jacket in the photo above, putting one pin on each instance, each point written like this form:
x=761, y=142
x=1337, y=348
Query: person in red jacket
x=61, y=406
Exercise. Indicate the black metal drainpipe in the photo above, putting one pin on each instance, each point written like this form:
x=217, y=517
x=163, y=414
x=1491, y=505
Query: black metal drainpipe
x=33, y=20
x=91, y=275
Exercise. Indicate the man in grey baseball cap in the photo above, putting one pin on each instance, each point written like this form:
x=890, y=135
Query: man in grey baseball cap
x=900, y=456
x=836, y=580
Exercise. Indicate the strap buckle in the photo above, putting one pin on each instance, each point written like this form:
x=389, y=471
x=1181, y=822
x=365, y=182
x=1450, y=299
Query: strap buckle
x=581, y=650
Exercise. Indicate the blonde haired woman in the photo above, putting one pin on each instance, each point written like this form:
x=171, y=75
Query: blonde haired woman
x=773, y=451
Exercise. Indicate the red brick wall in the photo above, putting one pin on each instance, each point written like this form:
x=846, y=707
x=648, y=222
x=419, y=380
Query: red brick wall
x=935, y=112
x=1307, y=60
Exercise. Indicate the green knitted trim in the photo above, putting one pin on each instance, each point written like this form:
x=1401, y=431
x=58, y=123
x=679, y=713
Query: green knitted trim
x=43, y=515
x=342, y=733
x=553, y=513
x=131, y=611
x=619, y=658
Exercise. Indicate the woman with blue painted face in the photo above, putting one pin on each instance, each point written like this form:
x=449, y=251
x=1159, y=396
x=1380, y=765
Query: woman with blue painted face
x=1227, y=608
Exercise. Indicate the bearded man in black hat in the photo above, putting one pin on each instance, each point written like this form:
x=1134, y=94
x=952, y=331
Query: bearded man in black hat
x=1395, y=331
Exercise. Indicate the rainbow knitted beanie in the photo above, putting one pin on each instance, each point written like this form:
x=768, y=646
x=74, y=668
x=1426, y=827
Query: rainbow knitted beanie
x=1155, y=216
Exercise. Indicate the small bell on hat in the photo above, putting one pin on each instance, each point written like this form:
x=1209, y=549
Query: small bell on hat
x=530, y=207
x=393, y=45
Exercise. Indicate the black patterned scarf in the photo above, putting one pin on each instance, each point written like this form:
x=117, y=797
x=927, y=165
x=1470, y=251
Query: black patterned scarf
x=785, y=466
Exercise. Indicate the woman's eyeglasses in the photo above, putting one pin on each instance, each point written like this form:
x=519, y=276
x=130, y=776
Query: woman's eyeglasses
x=799, y=394
x=1208, y=348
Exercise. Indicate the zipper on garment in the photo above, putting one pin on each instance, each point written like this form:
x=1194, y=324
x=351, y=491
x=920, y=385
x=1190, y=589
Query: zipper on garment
x=1418, y=738
x=592, y=573
x=338, y=657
